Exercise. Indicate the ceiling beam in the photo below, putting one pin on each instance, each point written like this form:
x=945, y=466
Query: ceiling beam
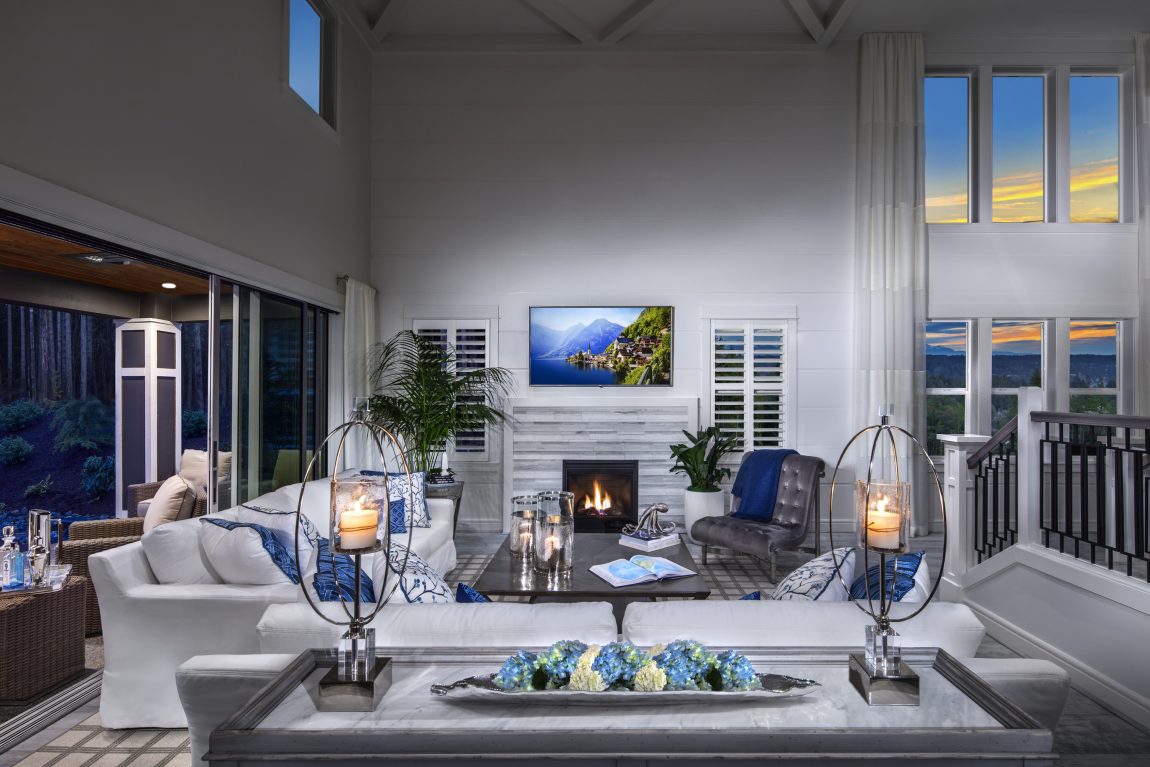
x=558, y=15
x=808, y=18
x=631, y=19
x=836, y=18
x=393, y=12
x=798, y=42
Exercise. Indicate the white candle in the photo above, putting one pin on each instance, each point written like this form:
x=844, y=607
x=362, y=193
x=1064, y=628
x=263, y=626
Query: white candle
x=358, y=524
x=525, y=542
x=882, y=526
x=443, y=466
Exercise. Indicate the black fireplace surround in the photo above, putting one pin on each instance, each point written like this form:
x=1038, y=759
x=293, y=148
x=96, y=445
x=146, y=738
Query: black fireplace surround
x=606, y=494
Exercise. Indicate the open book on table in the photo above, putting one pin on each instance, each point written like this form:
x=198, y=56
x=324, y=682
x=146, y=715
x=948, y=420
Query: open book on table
x=639, y=569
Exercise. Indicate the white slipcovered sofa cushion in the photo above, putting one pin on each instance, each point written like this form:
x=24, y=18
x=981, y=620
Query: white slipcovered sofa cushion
x=293, y=628
x=791, y=623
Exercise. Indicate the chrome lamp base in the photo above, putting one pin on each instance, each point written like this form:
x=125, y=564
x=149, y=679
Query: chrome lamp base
x=899, y=686
x=335, y=693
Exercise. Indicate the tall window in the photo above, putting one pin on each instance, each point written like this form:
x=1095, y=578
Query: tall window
x=1094, y=149
x=947, y=129
x=750, y=381
x=1018, y=143
x=946, y=381
x=1015, y=361
x=470, y=340
x=1093, y=367
x=310, y=55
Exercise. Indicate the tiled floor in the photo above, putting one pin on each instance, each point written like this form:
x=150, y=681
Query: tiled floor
x=1088, y=735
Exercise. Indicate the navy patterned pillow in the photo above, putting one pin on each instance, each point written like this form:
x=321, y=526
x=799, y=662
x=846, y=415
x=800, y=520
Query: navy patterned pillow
x=413, y=577
x=467, y=595
x=416, y=490
x=900, y=577
x=281, y=556
x=817, y=580
x=398, y=518
x=754, y=596
x=279, y=520
x=335, y=576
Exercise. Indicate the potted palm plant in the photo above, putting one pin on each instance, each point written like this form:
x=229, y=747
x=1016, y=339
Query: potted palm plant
x=699, y=460
x=425, y=401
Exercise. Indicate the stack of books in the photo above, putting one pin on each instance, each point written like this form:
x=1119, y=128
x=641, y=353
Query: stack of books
x=647, y=541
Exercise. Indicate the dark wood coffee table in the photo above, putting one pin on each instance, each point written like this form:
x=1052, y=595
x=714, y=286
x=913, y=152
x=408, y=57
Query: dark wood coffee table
x=511, y=576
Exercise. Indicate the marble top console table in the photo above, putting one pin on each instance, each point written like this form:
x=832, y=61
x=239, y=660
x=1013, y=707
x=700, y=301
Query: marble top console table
x=960, y=720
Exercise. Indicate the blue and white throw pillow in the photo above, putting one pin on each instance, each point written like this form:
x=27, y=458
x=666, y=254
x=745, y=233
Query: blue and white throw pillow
x=907, y=575
x=816, y=580
x=464, y=594
x=408, y=575
x=397, y=515
x=754, y=596
x=247, y=554
x=334, y=576
x=280, y=521
x=415, y=491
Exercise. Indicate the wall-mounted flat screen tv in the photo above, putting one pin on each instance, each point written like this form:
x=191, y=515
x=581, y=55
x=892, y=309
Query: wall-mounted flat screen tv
x=601, y=345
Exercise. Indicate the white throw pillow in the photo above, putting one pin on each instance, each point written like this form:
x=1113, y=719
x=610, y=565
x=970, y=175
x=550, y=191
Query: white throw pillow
x=175, y=499
x=817, y=581
x=194, y=468
x=281, y=521
x=175, y=556
x=408, y=578
x=240, y=553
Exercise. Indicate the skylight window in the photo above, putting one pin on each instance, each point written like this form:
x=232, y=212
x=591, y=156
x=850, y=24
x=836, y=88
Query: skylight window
x=310, y=43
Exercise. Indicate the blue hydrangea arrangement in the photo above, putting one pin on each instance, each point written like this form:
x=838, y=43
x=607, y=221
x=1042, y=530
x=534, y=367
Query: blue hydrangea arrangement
x=682, y=665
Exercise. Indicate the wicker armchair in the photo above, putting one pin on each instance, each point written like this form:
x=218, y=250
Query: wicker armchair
x=88, y=537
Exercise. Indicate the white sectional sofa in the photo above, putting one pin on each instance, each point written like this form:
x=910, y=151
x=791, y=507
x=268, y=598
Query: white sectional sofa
x=159, y=611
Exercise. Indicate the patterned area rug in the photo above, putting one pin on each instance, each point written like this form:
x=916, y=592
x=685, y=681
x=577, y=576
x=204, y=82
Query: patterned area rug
x=87, y=743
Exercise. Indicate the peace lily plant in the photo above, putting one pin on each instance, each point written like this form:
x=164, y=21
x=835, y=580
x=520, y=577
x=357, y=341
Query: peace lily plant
x=699, y=460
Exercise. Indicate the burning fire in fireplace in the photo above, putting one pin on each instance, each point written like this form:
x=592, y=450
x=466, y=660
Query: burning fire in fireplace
x=600, y=504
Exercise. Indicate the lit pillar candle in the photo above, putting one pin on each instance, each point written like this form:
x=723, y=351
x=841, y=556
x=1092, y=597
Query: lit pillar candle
x=358, y=524
x=882, y=526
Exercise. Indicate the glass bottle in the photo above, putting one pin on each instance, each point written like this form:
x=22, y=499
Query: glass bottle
x=11, y=561
x=38, y=561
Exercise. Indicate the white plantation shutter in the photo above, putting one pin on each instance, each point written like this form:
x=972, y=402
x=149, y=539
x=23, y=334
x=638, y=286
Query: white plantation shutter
x=750, y=381
x=471, y=340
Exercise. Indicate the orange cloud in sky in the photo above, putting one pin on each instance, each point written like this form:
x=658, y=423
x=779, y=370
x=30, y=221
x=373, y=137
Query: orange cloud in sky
x=1083, y=329
x=1018, y=198
x=1094, y=192
x=950, y=339
x=1016, y=333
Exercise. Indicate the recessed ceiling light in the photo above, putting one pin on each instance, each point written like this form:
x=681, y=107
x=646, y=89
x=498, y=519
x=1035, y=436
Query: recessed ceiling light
x=168, y=285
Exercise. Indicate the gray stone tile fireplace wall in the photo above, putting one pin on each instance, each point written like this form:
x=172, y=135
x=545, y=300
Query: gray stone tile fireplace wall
x=547, y=430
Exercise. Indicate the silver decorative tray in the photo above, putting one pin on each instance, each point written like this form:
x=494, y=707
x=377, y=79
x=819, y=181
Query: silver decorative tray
x=482, y=688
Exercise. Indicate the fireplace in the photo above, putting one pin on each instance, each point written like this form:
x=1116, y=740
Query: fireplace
x=606, y=494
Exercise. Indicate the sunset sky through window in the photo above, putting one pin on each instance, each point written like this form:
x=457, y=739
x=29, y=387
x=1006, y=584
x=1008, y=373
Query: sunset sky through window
x=1018, y=149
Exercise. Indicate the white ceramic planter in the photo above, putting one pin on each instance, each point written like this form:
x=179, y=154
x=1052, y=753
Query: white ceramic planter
x=698, y=505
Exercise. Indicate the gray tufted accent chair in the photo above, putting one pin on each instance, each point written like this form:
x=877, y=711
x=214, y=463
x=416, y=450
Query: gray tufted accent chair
x=796, y=506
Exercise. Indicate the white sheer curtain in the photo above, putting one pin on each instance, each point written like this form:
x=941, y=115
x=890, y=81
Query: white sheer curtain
x=1142, y=152
x=359, y=335
x=890, y=249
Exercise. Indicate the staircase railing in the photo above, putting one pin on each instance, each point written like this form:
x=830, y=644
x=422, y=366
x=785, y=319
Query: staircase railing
x=1073, y=483
x=995, y=507
x=1094, y=496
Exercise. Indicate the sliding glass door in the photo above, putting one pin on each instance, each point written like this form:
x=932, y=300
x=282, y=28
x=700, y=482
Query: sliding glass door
x=271, y=391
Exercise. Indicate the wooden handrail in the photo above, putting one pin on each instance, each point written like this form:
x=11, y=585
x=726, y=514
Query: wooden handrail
x=1092, y=419
x=999, y=437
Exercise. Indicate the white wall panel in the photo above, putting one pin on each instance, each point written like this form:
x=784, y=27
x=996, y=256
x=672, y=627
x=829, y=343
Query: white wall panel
x=684, y=180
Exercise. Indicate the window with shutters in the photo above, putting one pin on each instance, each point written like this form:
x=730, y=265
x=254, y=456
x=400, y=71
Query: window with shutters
x=751, y=393
x=471, y=341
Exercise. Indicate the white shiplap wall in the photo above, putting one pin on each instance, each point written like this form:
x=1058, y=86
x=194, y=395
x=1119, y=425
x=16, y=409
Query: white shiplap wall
x=695, y=180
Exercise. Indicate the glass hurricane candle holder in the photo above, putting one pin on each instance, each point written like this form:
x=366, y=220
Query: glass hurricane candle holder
x=523, y=525
x=882, y=511
x=554, y=535
x=357, y=505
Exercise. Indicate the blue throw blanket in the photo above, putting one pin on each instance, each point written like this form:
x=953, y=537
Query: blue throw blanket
x=757, y=484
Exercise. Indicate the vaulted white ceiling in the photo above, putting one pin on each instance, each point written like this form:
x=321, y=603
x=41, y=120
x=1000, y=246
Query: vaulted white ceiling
x=722, y=25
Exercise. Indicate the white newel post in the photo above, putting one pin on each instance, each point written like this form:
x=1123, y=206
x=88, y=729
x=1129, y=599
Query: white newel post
x=958, y=492
x=1030, y=399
